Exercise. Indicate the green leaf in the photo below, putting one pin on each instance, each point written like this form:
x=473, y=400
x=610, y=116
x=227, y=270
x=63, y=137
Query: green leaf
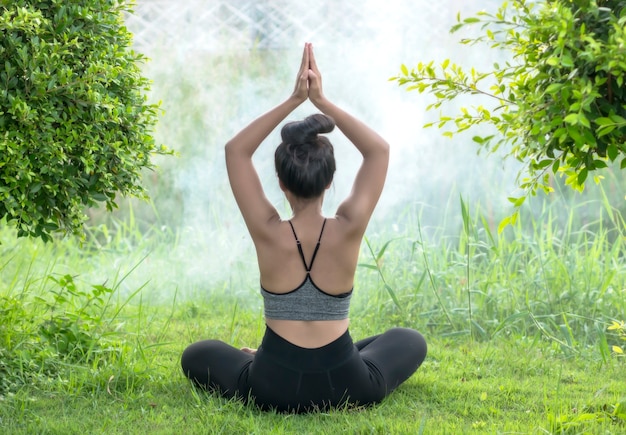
x=582, y=119
x=572, y=118
x=504, y=223
x=543, y=164
x=599, y=164
x=509, y=220
x=567, y=61
x=576, y=136
x=604, y=130
x=554, y=88
x=617, y=119
x=552, y=61
x=517, y=202
x=603, y=121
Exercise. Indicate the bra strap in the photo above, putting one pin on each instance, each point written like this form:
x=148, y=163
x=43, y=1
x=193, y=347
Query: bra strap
x=299, y=246
x=319, y=239
x=317, y=246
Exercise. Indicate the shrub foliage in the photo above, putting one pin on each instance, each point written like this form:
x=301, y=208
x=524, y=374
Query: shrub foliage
x=75, y=124
x=560, y=103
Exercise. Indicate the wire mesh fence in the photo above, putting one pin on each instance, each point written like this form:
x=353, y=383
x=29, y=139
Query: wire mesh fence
x=217, y=25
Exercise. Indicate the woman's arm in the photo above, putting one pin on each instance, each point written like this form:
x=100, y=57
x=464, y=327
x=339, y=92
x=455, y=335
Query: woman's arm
x=357, y=208
x=244, y=180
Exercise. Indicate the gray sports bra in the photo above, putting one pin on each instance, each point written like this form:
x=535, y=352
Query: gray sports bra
x=307, y=301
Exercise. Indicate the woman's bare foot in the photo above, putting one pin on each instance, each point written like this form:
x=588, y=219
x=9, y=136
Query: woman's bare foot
x=248, y=350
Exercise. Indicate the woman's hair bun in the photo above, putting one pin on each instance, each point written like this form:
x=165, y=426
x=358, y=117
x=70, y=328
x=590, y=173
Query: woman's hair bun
x=305, y=160
x=301, y=132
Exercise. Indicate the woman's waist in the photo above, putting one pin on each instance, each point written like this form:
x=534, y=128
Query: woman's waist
x=309, y=334
x=314, y=359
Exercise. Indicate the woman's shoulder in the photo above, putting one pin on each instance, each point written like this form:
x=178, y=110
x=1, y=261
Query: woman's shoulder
x=348, y=229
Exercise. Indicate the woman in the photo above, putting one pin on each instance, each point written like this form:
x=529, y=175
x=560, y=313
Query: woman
x=307, y=360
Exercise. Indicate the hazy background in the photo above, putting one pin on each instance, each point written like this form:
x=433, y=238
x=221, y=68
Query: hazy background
x=232, y=60
x=216, y=65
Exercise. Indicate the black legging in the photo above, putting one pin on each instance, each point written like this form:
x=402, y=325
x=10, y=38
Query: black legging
x=286, y=377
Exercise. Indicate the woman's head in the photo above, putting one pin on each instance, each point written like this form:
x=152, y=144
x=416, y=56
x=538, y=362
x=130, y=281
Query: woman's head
x=305, y=161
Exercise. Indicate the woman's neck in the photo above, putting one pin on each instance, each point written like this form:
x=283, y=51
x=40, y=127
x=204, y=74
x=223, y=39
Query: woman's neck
x=306, y=208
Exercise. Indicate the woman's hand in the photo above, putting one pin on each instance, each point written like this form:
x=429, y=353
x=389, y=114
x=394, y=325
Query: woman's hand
x=315, y=79
x=301, y=90
x=309, y=79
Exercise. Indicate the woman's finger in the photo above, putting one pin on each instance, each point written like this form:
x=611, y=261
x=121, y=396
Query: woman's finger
x=312, y=63
x=301, y=87
x=305, y=59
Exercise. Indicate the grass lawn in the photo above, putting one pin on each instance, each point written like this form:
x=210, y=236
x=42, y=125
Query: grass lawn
x=518, y=326
x=506, y=385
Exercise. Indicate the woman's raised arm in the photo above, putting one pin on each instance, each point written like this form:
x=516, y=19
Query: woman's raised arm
x=244, y=180
x=357, y=208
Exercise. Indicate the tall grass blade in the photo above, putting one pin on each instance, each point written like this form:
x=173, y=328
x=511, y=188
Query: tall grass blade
x=378, y=268
x=430, y=276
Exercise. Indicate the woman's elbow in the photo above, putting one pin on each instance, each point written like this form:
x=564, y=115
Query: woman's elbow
x=384, y=146
x=382, y=150
x=230, y=150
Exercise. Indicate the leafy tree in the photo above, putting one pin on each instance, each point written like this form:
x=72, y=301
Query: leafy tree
x=560, y=103
x=75, y=125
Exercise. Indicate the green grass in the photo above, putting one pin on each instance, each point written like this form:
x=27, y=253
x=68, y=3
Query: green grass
x=517, y=324
x=511, y=384
x=476, y=388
